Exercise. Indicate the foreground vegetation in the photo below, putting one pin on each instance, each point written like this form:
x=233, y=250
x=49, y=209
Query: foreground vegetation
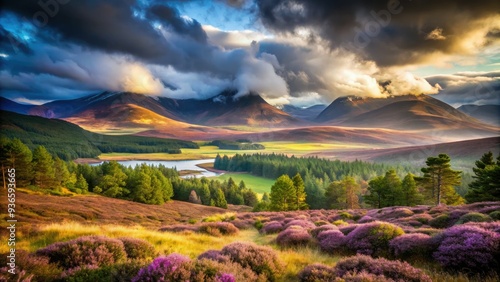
x=413, y=244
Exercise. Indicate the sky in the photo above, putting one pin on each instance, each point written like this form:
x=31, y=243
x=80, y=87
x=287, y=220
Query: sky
x=300, y=52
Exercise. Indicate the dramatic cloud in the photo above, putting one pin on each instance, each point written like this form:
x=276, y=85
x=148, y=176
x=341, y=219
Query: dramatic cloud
x=469, y=88
x=389, y=32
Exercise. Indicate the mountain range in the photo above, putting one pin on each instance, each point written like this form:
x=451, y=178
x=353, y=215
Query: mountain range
x=228, y=116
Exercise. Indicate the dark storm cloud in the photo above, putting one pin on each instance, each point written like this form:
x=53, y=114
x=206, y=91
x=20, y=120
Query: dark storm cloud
x=468, y=88
x=171, y=16
x=10, y=43
x=388, y=32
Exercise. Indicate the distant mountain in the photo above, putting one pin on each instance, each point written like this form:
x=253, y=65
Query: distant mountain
x=407, y=112
x=69, y=141
x=309, y=113
x=489, y=114
x=225, y=109
x=9, y=105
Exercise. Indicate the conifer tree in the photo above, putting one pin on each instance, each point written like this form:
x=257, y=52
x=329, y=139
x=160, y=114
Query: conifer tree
x=486, y=184
x=439, y=179
x=43, y=167
x=411, y=195
x=282, y=194
x=300, y=194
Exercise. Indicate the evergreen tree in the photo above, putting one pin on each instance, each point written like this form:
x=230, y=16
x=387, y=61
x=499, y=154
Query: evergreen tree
x=411, y=195
x=342, y=194
x=486, y=184
x=300, y=194
x=250, y=198
x=205, y=195
x=43, y=166
x=282, y=194
x=112, y=183
x=264, y=204
x=220, y=200
x=393, y=186
x=81, y=186
x=19, y=156
x=439, y=179
x=62, y=174
x=377, y=192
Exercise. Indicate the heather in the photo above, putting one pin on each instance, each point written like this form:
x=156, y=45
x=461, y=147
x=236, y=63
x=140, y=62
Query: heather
x=372, y=238
x=293, y=237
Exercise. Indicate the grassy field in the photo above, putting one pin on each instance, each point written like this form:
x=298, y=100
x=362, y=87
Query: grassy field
x=257, y=184
x=208, y=152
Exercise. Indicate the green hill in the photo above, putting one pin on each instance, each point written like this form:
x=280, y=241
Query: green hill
x=69, y=141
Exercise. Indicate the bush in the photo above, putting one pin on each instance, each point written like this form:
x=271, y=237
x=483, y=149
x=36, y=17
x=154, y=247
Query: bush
x=331, y=241
x=393, y=213
x=316, y=273
x=366, y=219
x=470, y=248
x=214, y=255
x=206, y=270
x=173, y=267
x=416, y=244
x=179, y=228
x=373, y=238
x=116, y=272
x=395, y=270
x=293, y=237
x=302, y=223
x=262, y=260
x=441, y=221
x=315, y=232
x=348, y=228
x=218, y=228
x=138, y=249
x=83, y=251
x=30, y=265
x=495, y=215
x=473, y=217
x=271, y=227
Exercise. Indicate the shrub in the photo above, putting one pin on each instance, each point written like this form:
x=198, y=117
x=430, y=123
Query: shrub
x=214, y=255
x=331, y=241
x=321, y=222
x=302, y=223
x=116, y=272
x=366, y=219
x=206, y=270
x=87, y=250
x=473, y=217
x=396, y=213
x=416, y=244
x=491, y=226
x=262, y=260
x=218, y=228
x=271, y=227
x=495, y=215
x=322, y=228
x=170, y=268
x=441, y=221
x=340, y=222
x=316, y=272
x=242, y=224
x=137, y=248
x=395, y=270
x=348, y=228
x=422, y=218
x=179, y=228
x=293, y=237
x=469, y=247
x=373, y=238
x=30, y=265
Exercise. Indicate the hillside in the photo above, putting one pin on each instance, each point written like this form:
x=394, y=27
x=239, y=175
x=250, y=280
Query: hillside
x=489, y=114
x=9, y=105
x=469, y=149
x=309, y=113
x=69, y=141
x=37, y=209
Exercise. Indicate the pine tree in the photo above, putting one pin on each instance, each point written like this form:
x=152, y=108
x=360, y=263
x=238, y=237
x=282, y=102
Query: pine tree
x=342, y=194
x=220, y=200
x=440, y=180
x=81, y=185
x=486, y=184
x=19, y=156
x=205, y=195
x=300, y=194
x=282, y=194
x=411, y=195
x=62, y=174
x=377, y=192
x=112, y=183
x=43, y=167
x=393, y=186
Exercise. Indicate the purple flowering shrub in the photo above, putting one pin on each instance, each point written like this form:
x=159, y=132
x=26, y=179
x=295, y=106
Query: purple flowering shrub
x=316, y=272
x=306, y=224
x=491, y=226
x=115, y=272
x=373, y=238
x=214, y=255
x=173, y=267
x=262, y=260
x=395, y=213
x=293, y=237
x=495, y=215
x=271, y=227
x=138, y=249
x=469, y=248
x=243, y=224
x=315, y=232
x=177, y=228
x=331, y=241
x=441, y=221
x=29, y=265
x=395, y=270
x=87, y=250
x=346, y=229
x=407, y=245
x=366, y=219
x=218, y=228
x=206, y=270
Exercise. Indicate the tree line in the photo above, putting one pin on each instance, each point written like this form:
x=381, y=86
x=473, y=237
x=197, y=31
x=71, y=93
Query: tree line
x=39, y=170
